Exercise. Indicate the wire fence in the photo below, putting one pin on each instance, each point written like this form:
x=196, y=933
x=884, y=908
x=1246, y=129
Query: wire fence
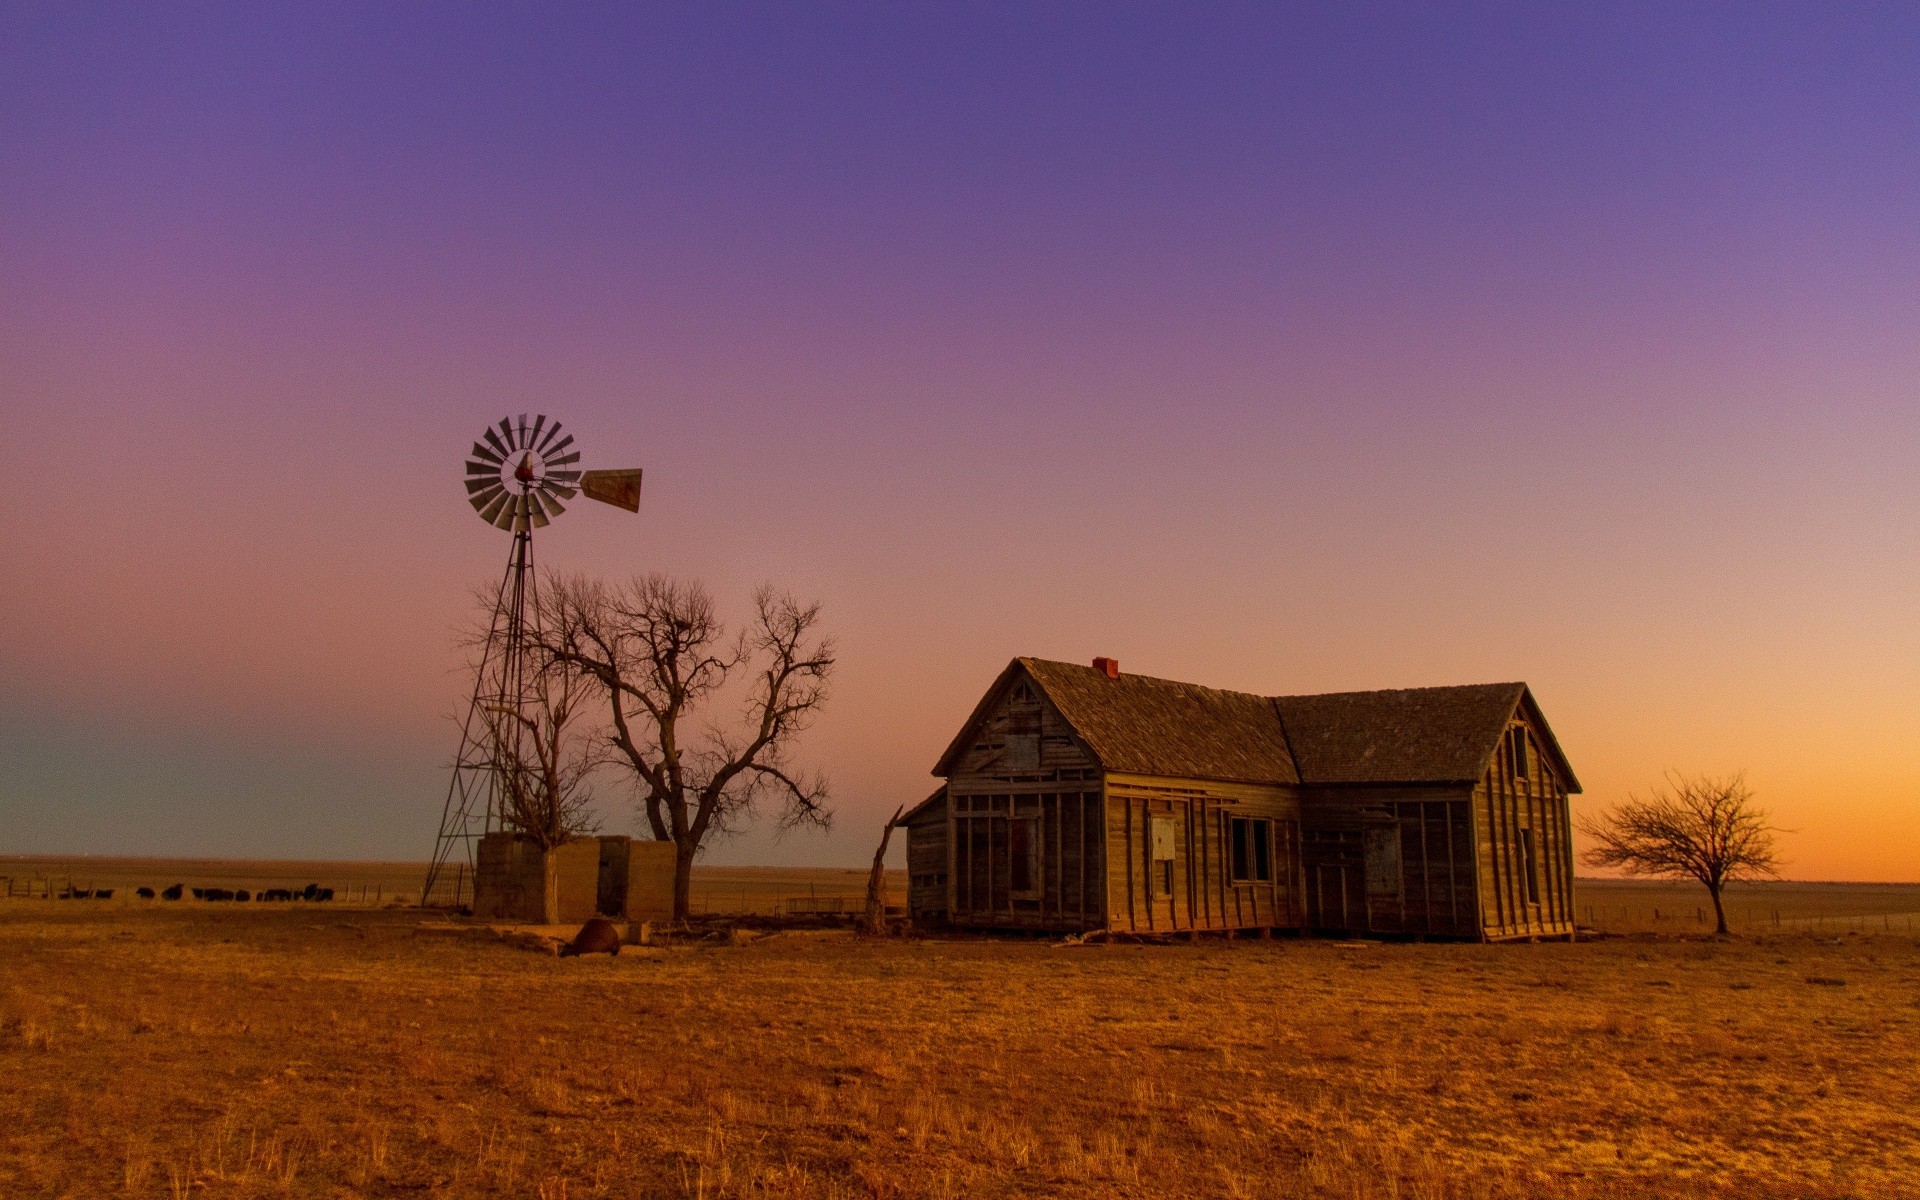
x=1626, y=918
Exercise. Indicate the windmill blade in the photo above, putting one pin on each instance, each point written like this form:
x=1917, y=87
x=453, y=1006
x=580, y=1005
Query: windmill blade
x=515, y=517
x=538, y=420
x=552, y=433
x=557, y=489
x=506, y=431
x=482, y=452
x=556, y=448
x=618, y=488
x=483, y=483
x=496, y=506
x=476, y=467
x=563, y=476
x=493, y=439
x=545, y=499
x=536, y=513
x=481, y=501
x=525, y=441
x=563, y=460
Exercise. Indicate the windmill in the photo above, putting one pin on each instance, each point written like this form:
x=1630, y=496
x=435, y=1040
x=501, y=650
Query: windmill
x=518, y=475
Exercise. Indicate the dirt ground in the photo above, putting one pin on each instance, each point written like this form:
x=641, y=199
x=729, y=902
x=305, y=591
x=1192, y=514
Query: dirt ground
x=212, y=1051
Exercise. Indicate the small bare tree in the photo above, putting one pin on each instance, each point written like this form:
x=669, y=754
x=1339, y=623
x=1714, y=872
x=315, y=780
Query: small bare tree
x=1703, y=828
x=544, y=755
x=661, y=657
x=874, y=922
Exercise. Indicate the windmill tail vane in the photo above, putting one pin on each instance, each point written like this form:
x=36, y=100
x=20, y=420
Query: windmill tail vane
x=519, y=474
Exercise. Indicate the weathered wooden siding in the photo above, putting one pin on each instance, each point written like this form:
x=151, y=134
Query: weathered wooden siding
x=1512, y=811
x=1024, y=787
x=1198, y=891
x=1390, y=858
x=927, y=862
x=1024, y=737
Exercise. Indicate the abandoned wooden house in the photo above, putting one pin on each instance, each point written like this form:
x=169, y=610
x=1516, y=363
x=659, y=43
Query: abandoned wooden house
x=1078, y=798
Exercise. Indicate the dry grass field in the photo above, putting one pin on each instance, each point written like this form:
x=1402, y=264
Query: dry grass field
x=237, y=1051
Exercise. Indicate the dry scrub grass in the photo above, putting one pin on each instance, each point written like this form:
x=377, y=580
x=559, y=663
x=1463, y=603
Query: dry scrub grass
x=178, y=1051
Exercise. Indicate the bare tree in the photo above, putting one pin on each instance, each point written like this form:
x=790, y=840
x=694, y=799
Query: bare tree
x=662, y=658
x=1703, y=828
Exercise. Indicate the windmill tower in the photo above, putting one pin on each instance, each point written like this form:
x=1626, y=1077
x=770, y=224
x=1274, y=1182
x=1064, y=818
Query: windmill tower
x=518, y=474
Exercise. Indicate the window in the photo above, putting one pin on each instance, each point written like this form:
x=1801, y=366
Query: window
x=1529, y=866
x=1251, y=850
x=1024, y=849
x=1517, y=739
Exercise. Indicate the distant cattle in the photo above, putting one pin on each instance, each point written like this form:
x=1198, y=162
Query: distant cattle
x=174, y=892
x=323, y=894
x=199, y=893
x=215, y=893
x=145, y=893
x=243, y=894
x=597, y=936
x=103, y=893
x=276, y=894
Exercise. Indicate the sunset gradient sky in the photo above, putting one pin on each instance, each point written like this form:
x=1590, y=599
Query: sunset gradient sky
x=1255, y=345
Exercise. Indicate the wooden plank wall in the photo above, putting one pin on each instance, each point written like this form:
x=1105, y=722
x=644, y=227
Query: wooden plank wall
x=1505, y=808
x=1203, y=895
x=1025, y=764
x=927, y=863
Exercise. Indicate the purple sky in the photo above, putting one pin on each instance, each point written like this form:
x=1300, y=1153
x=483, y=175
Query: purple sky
x=1257, y=347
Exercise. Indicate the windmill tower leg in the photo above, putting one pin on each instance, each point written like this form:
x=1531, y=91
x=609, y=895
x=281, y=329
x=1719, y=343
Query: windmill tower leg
x=473, y=802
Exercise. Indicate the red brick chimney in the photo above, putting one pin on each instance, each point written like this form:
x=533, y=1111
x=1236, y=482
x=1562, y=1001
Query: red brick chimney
x=1110, y=667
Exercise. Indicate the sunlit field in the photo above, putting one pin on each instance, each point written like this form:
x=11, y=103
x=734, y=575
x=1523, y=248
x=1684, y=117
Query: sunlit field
x=156, y=1050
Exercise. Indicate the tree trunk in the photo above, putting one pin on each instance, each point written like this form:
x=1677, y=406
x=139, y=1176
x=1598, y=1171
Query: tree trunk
x=1719, y=911
x=683, y=851
x=875, y=923
x=549, y=887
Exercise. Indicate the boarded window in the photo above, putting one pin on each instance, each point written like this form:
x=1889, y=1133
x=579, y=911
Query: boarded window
x=1162, y=839
x=1529, y=866
x=1252, y=852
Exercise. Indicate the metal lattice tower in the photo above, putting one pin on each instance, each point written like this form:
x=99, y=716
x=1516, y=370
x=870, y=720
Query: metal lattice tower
x=517, y=476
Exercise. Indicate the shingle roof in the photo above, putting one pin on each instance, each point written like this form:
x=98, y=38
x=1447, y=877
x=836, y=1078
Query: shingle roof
x=1149, y=726
x=1409, y=735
